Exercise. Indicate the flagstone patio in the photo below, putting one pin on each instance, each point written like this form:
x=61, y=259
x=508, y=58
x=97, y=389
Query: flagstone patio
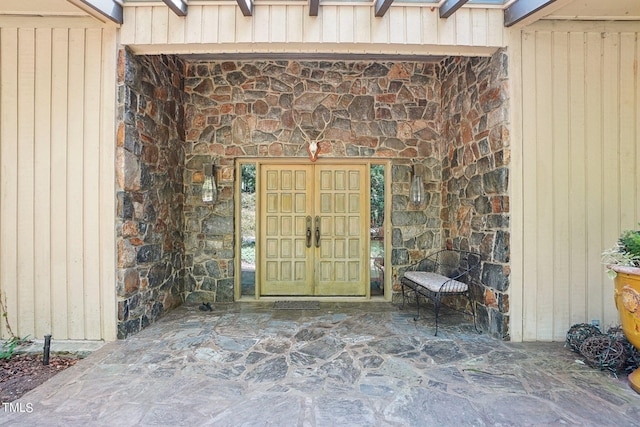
x=365, y=364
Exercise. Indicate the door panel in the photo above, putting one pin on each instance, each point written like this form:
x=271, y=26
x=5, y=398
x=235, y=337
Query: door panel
x=287, y=268
x=342, y=263
x=330, y=202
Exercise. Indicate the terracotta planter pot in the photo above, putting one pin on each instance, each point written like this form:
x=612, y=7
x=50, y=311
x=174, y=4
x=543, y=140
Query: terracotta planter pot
x=627, y=297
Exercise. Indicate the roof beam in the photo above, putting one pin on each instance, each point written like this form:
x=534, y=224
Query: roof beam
x=179, y=7
x=246, y=6
x=313, y=7
x=521, y=9
x=104, y=8
x=382, y=6
x=449, y=7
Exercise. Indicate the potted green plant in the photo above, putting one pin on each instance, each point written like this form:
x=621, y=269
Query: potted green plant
x=623, y=265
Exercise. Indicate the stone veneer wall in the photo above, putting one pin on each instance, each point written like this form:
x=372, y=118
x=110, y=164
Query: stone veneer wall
x=451, y=118
x=150, y=161
x=475, y=173
x=265, y=108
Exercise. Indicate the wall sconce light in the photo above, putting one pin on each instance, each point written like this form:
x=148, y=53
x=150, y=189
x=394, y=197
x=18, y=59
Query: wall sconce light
x=416, y=191
x=209, y=187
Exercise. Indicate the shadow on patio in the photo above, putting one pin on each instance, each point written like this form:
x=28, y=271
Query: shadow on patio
x=342, y=364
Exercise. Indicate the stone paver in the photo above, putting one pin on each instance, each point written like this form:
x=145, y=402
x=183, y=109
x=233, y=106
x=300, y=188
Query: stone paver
x=246, y=364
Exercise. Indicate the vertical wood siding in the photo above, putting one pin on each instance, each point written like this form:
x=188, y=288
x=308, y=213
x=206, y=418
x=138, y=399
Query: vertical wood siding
x=404, y=29
x=57, y=194
x=580, y=176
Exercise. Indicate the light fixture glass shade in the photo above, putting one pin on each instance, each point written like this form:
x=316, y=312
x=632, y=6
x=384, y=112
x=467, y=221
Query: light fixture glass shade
x=417, y=190
x=209, y=188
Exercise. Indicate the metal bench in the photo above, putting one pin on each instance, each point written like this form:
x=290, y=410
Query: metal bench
x=447, y=272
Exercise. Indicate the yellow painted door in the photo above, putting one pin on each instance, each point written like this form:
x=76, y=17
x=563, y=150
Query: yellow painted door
x=286, y=250
x=341, y=202
x=313, y=231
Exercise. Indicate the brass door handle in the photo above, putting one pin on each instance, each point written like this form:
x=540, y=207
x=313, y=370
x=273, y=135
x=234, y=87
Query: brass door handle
x=309, y=231
x=317, y=232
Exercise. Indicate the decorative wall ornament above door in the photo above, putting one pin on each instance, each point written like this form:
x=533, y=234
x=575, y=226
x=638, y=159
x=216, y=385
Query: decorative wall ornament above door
x=314, y=149
x=313, y=123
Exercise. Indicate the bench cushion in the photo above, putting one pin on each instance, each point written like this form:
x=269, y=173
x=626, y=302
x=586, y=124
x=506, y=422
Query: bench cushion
x=434, y=281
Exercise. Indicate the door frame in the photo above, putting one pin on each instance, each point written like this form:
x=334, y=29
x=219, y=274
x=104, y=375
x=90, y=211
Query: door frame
x=240, y=161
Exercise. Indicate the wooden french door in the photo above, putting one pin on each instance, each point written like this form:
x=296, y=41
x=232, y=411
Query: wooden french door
x=314, y=231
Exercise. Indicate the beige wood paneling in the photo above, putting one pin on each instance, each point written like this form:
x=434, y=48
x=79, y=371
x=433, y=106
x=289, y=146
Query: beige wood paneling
x=597, y=9
x=42, y=177
x=562, y=182
x=25, y=201
x=282, y=26
x=75, y=172
x=516, y=185
x=59, y=128
x=579, y=183
x=57, y=124
x=107, y=187
x=91, y=182
x=9, y=173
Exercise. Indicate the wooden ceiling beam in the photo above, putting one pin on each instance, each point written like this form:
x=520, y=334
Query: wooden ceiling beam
x=382, y=6
x=521, y=9
x=246, y=6
x=179, y=7
x=449, y=7
x=103, y=8
x=314, y=6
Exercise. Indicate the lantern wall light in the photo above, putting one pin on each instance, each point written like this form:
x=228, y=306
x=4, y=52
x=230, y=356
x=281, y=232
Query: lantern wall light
x=209, y=187
x=416, y=191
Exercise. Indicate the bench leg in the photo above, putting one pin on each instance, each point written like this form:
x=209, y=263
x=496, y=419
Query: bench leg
x=436, y=309
x=415, y=319
x=473, y=312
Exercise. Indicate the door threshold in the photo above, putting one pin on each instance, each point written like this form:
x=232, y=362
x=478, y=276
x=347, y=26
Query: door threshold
x=248, y=298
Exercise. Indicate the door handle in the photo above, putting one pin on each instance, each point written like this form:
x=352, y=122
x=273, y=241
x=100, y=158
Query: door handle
x=317, y=232
x=309, y=231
